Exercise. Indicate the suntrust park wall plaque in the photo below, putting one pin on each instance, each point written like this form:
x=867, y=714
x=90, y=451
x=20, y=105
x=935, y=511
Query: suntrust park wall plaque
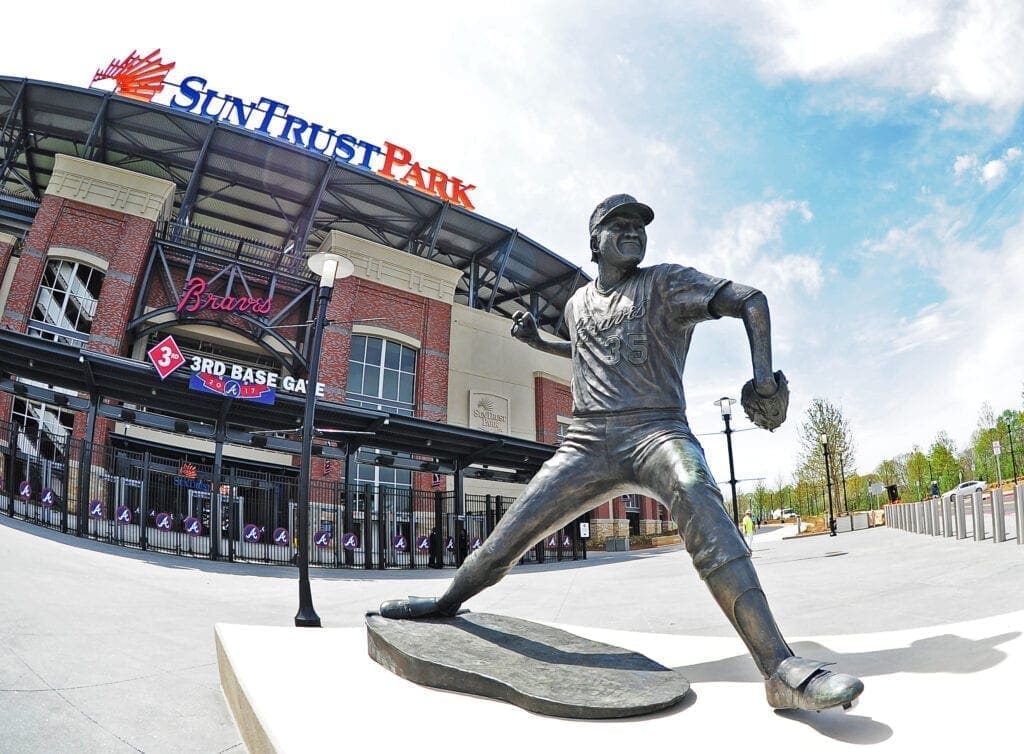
x=488, y=411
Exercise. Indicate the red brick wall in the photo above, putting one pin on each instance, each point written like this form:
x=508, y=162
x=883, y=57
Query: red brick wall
x=6, y=249
x=551, y=400
x=122, y=240
x=426, y=320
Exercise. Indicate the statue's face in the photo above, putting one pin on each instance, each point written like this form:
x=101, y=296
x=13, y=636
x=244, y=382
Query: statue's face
x=622, y=239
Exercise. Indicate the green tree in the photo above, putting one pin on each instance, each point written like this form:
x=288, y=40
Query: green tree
x=980, y=457
x=1008, y=426
x=918, y=475
x=825, y=419
x=945, y=463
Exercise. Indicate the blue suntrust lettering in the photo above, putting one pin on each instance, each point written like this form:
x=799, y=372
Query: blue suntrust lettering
x=272, y=118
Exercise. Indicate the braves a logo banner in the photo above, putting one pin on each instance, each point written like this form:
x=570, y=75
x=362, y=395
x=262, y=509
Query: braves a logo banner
x=204, y=382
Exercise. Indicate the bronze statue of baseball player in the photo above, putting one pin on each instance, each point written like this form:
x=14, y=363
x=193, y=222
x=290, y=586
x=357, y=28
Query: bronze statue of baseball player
x=630, y=331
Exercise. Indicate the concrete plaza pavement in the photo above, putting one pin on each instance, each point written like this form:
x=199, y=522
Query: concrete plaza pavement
x=108, y=649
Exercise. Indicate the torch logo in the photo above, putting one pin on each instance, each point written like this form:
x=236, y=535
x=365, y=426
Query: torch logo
x=140, y=78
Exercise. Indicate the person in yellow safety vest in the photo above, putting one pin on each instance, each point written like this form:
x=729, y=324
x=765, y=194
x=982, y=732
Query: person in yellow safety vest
x=748, y=529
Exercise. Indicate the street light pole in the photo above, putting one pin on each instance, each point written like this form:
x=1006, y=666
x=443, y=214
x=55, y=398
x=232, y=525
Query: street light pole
x=1013, y=454
x=828, y=483
x=330, y=267
x=725, y=404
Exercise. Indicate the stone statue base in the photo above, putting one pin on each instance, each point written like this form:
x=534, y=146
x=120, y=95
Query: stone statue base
x=536, y=667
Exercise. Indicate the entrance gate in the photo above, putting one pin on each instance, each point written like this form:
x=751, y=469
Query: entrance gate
x=156, y=501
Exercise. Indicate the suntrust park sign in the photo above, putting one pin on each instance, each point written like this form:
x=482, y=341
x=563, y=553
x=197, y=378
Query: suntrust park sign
x=144, y=77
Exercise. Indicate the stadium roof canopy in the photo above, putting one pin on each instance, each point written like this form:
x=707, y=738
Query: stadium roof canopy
x=172, y=406
x=268, y=192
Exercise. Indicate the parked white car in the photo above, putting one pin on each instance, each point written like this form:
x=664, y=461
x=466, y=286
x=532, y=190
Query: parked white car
x=964, y=488
x=783, y=513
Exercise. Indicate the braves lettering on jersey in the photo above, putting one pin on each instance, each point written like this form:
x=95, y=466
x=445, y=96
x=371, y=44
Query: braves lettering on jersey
x=629, y=345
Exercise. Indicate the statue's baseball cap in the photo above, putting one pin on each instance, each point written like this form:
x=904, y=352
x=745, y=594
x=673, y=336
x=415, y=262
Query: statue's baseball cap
x=616, y=204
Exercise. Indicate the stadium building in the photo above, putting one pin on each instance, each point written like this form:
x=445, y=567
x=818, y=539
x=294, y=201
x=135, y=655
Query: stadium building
x=156, y=334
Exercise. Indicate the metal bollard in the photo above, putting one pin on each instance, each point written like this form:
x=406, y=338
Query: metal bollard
x=961, y=516
x=1018, y=493
x=933, y=503
x=979, y=518
x=998, y=516
x=947, y=518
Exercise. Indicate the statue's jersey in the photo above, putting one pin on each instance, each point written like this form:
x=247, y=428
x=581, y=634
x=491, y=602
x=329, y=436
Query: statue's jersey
x=629, y=345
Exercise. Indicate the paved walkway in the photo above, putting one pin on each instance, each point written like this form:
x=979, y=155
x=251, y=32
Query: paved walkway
x=105, y=649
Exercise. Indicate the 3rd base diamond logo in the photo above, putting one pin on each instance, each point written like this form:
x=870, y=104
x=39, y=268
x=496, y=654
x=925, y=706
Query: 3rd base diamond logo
x=166, y=357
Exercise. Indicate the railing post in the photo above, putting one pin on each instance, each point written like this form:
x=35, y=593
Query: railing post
x=143, y=507
x=369, y=498
x=66, y=484
x=382, y=526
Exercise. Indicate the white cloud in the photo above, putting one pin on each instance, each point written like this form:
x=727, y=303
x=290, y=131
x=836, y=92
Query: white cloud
x=962, y=53
x=992, y=174
x=745, y=247
x=965, y=163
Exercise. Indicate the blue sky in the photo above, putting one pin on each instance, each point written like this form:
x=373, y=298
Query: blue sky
x=861, y=163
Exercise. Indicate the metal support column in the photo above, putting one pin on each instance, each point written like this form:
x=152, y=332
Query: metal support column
x=998, y=517
x=979, y=517
x=85, y=469
x=961, y=516
x=1018, y=494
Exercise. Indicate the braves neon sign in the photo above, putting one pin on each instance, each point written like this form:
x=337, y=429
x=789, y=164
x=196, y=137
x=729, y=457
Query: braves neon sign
x=137, y=76
x=194, y=298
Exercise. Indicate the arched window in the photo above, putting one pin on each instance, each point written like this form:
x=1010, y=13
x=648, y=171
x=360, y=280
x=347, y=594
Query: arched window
x=66, y=302
x=382, y=375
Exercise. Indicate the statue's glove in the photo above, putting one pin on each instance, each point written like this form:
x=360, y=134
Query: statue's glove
x=767, y=413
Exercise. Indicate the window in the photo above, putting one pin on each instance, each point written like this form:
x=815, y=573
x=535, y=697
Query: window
x=381, y=375
x=42, y=432
x=395, y=483
x=66, y=302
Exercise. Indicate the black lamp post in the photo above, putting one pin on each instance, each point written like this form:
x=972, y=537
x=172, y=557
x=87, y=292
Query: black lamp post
x=330, y=267
x=828, y=484
x=1013, y=454
x=725, y=404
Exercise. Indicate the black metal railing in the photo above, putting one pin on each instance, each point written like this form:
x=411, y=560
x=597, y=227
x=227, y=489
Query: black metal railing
x=149, y=501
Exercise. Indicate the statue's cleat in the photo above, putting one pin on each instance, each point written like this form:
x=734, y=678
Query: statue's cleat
x=412, y=608
x=805, y=684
